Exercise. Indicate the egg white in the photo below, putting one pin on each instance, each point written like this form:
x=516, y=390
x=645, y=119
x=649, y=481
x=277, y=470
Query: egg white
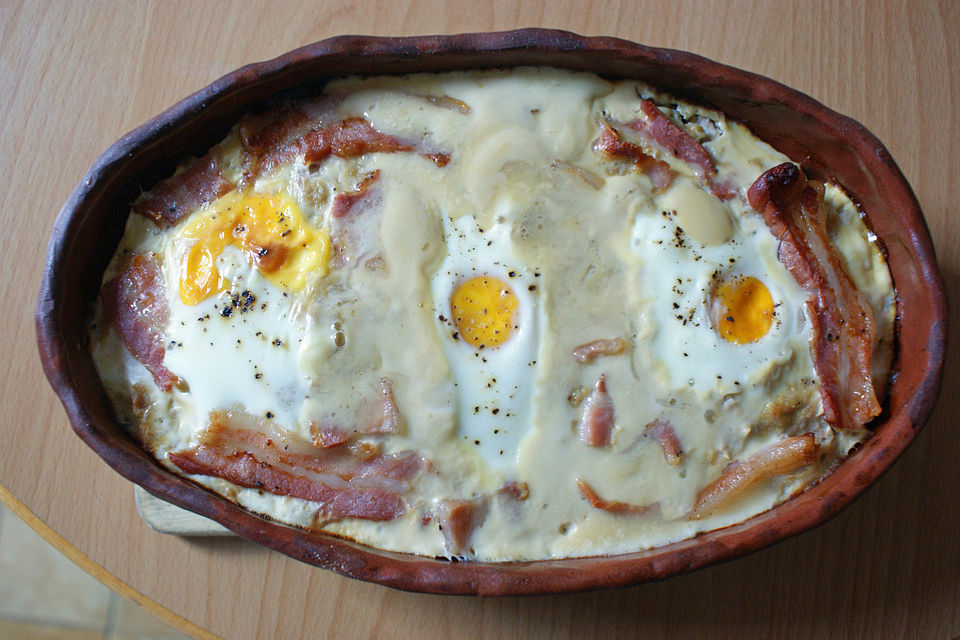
x=681, y=274
x=493, y=387
x=234, y=356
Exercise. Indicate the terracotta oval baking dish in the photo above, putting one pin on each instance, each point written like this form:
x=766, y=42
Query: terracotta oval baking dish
x=824, y=142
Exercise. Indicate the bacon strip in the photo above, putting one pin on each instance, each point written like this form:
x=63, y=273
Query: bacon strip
x=135, y=303
x=674, y=139
x=179, y=195
x=268, y=141
x=354, y=482
x=349, y=138
x=327, y=436
x=682, y=146
x=612, y=145
x=777, y=459
x=245, y=470
x=458, y=519
x=271, y=138
x=344, y=203
x=265, y=133
x=611, y=506
x=596, y=422
x=662, y=431
x=842, y=320
x=355, y=220
x=592, y=350
x=359, y=461
x=448, y=102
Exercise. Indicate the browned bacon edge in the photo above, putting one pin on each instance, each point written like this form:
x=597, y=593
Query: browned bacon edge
x=612, y=145
x=662, y=431
x=786, y=456
x=842, y=320
x=348, y=138
x=268, y=142
x=175, y=197
x=590, y=351
x=659, y=128
x=266, y=132
x=610, y=506
x=135, y=303
x=355, y=482
x=597, y=421
x=458, y=519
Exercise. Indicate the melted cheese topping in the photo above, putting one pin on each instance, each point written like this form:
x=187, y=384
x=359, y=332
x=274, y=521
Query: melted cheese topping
x=471, y=287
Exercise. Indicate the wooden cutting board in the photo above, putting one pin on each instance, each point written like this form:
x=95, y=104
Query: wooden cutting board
x=164, y=517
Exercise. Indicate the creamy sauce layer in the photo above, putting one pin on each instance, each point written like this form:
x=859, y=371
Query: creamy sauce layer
x=469, y=287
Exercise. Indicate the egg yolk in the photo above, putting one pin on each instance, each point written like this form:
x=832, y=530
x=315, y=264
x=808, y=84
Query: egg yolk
x=742, y=310
x=271, y=232
x=483, y=310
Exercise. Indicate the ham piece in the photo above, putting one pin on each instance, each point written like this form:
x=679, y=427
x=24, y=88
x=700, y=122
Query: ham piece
x=785, y=456
x=662, y=431
x=590, y=351
x=458, y=519
x=610, y=506
x=383, y=418
x=681, y=145
x=135, y=303
x=596, y=422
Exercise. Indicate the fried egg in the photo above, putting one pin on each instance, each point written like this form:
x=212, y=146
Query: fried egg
x=488, y=319
x=726, y=314
x=231, y=269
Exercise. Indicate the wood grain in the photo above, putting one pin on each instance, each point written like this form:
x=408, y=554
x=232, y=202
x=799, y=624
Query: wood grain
x=75, y=76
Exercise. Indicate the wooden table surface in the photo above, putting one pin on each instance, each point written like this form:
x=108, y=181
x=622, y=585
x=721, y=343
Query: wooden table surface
x=75, y=76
